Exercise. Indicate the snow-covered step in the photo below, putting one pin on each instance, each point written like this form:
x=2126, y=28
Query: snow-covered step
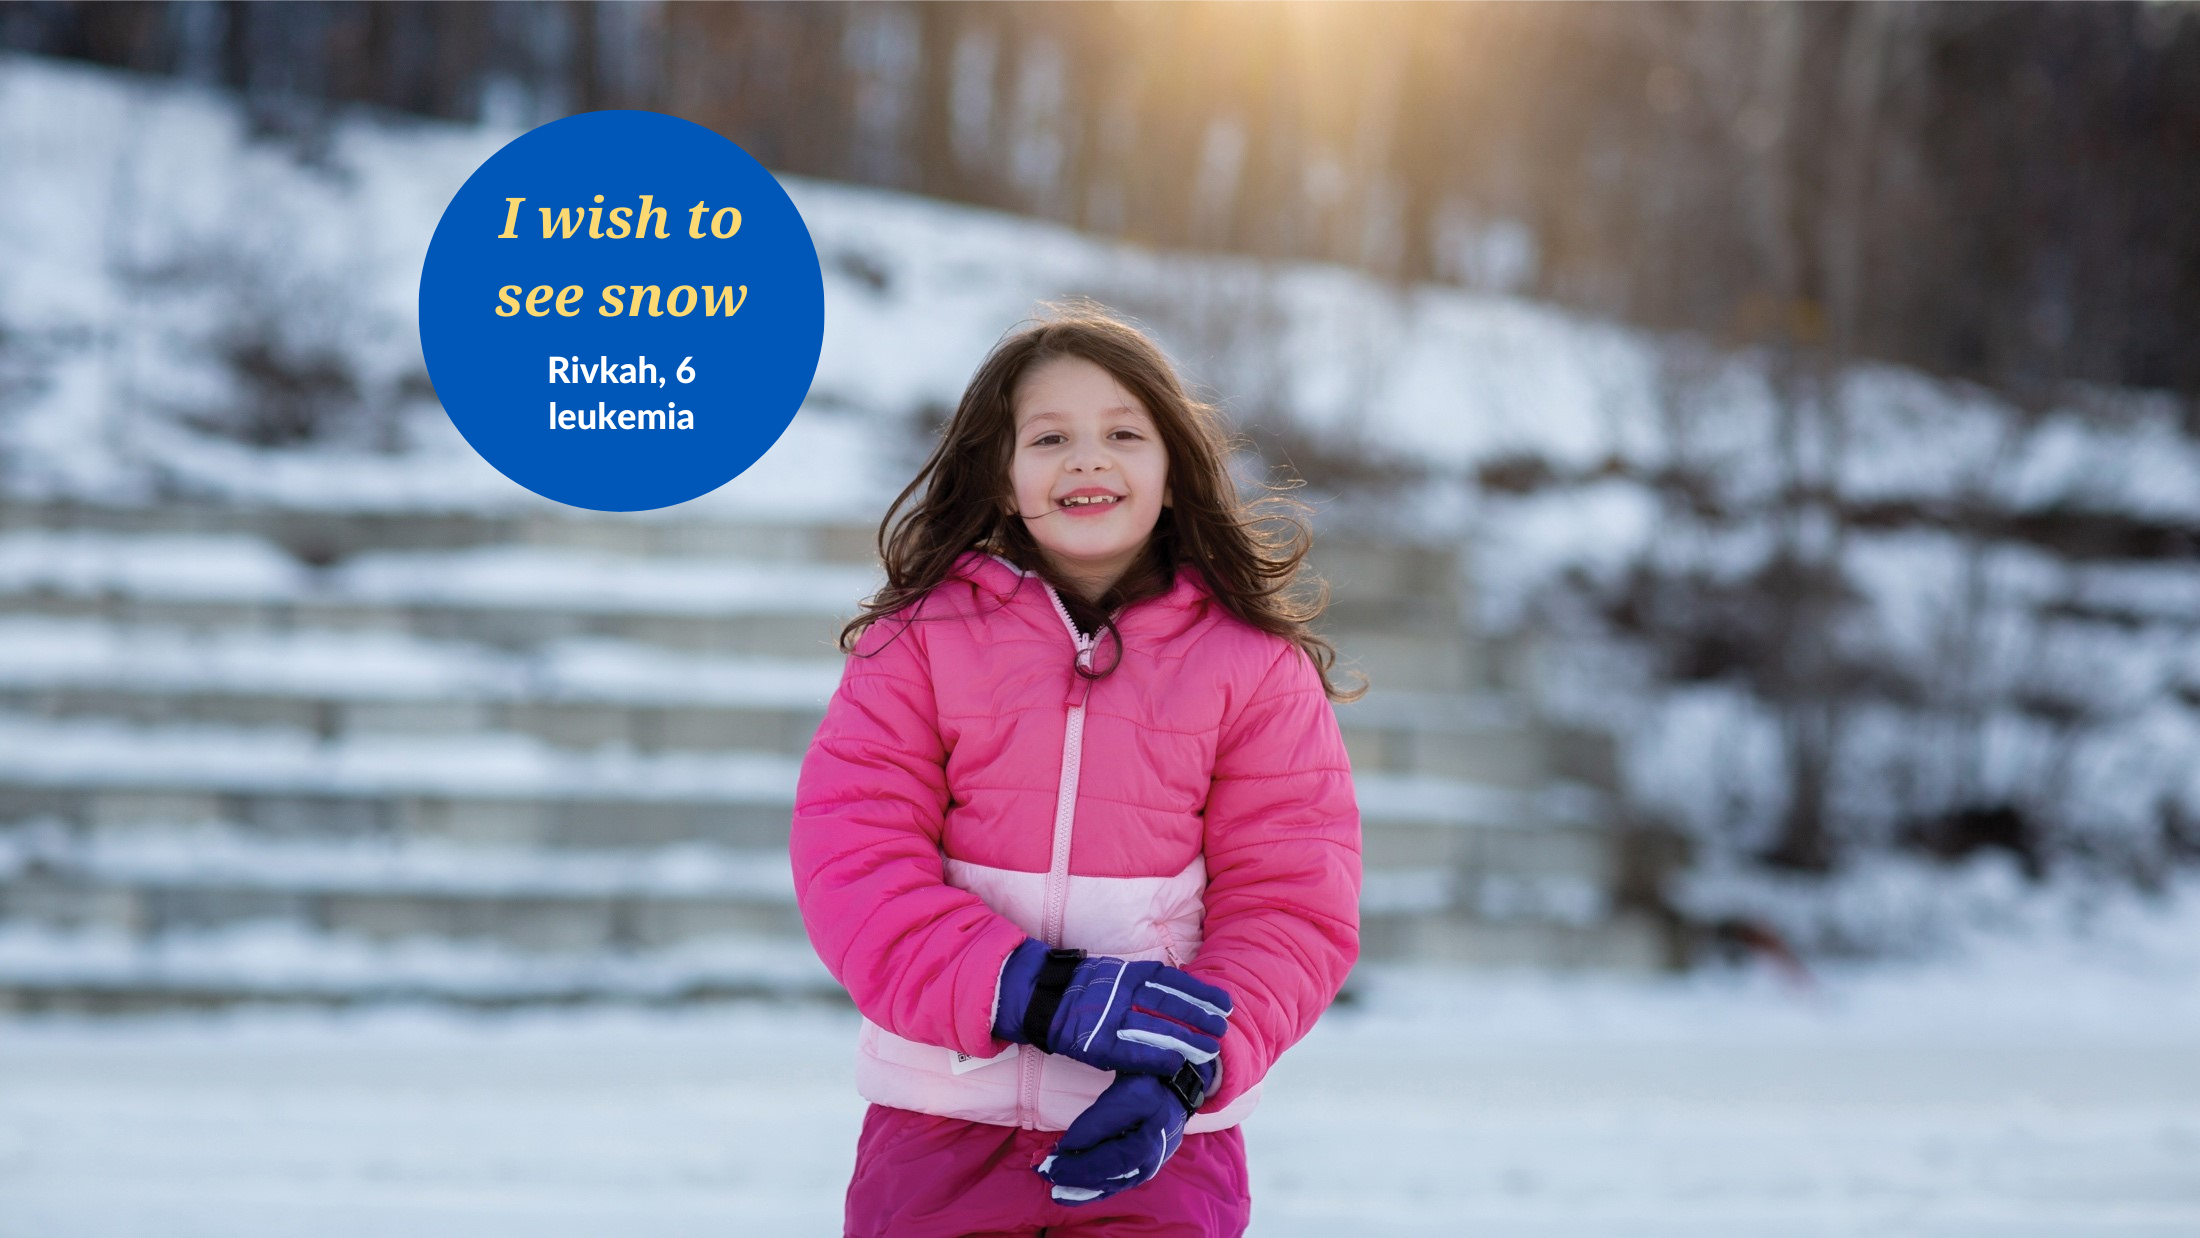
x=517, y=789
x=268, y=960
x=210, y=856
x=175, y=883
x=1525, y=848
x=1430, y=660
x=103, y=754
x=1376, y=582
x=241, y=577
x=1475, y=737
x=489, y=789
x=40, y=653
x=329, y=537
x=1398, y=615
x=575, y=693
x=160, y=883
x=1391, y=583
x=173, y=889
x=572, y=724
x=272, y=961
x=92, y=919
x=1506, y=917
x=594, y=691
x=517, y=596
x=510, y=596
x=521, y=791
x=1623, y=941
x=238, y=569
x=1428, y=823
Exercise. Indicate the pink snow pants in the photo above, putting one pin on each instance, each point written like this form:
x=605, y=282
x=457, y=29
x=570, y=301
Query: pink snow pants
x=920, y=1176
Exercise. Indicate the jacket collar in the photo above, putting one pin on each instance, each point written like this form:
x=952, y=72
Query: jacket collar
x=1004, y=579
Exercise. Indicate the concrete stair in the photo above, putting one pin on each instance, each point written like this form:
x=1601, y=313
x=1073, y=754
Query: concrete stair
x=493, y=759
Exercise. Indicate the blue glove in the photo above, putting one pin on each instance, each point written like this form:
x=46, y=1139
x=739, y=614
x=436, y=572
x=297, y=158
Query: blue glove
x=1147, y=1017
x=1125, y=1136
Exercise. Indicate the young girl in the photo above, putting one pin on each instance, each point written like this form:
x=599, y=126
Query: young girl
x=1077, y=832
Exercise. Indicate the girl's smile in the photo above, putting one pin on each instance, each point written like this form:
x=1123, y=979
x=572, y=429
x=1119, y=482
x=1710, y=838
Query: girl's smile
x=1089, y=501
x=1090, y=473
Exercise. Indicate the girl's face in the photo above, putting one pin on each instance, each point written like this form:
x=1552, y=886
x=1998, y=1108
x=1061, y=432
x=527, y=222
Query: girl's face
x=1090, y=474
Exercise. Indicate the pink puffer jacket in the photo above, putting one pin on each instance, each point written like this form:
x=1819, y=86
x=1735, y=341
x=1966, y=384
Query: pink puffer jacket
x=967, y=789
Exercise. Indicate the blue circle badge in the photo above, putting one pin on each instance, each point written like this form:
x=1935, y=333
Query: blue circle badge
x=621, y=310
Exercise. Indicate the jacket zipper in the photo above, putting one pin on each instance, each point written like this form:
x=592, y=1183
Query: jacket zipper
x=1056, y=906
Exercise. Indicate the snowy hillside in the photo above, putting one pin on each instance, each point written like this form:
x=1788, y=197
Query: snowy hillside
x=160, y=219
x=1910, y=603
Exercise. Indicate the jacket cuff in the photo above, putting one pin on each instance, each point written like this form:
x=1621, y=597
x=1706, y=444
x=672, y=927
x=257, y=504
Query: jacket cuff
x=1012, y=992
x=1234, y=1073
x=978, y=989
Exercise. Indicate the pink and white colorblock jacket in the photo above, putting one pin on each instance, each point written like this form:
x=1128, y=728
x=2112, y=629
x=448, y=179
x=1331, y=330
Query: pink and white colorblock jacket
x=968, y=789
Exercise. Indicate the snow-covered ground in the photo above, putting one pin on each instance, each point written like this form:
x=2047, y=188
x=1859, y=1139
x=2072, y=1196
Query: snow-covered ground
x=2027, y=1095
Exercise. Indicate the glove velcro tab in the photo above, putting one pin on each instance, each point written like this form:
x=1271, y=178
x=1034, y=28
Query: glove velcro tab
x=1189, y=1086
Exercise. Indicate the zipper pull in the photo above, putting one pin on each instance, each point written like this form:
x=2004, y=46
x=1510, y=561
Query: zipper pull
x=1079, y=686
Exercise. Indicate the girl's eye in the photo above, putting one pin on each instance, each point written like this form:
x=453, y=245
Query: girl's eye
x=1048, y=440
x=1129, y=434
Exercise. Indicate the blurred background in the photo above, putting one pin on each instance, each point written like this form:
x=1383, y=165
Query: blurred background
x=1755, y=449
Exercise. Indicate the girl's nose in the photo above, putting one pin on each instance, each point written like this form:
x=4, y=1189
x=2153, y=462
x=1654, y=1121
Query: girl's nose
x=1088, y=457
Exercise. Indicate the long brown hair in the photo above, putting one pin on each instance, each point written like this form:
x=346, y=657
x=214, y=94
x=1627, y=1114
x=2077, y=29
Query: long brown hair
x=1249, y=552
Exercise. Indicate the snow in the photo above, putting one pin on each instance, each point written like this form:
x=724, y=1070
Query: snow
x=2126, y=453
x=1450, y=802
x=1600, y=529
x=829, y=465
x=36, y=751
x=2042, y=1096
x=283, y=960
x=157, y=213
x=176, y=566
x=919, y=290
x=97, y=753
x=173, y=856
x=108, y=298
x=1910, y=438
x=1668, y=777
x=522, y=577
x=115, y=271
x=246, y=569
x=40, y=653
x=2034, y=1074
x=1441, y=376
x=614, y=670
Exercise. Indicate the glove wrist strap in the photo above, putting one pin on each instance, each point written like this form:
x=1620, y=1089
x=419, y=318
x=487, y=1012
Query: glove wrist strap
x=1189, y=1087
x=1046, y=993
